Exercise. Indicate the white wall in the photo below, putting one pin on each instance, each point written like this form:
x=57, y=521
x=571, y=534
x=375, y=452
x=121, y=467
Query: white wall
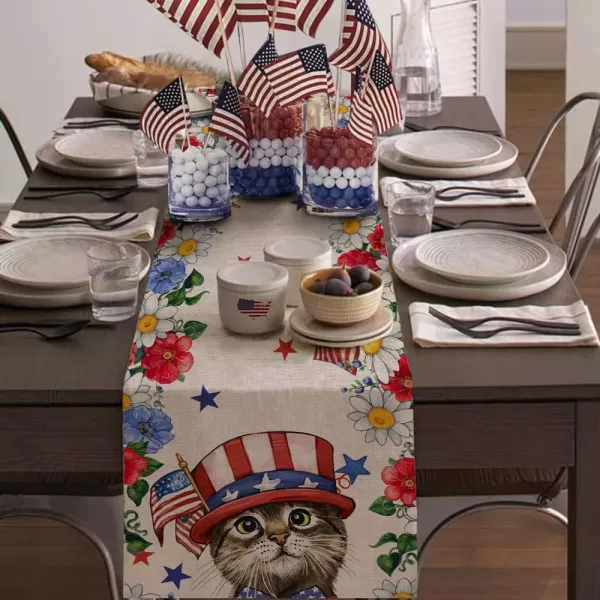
x=536, y=12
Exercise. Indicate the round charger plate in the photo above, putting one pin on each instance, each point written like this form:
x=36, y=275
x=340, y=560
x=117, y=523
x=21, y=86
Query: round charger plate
x=373, y=328
x=48, y=263
x=52, y=161
x=448, y=147
x=13, y=294
x=392, y=159
x=482, y=256
x=408, y=270
x=97, y=148
x=341, y=344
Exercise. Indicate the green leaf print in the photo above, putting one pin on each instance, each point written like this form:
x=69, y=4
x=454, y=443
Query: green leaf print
x=388, y=562
x=386, y=538
x=139, y=354
x=407, y=542
x=151, y=466
x=194, y=329
x=136, y=543
x=191, y=300
x=177, y=297
x=382, y=506
x=137, y=491
x=194, y=279
x=139, y=447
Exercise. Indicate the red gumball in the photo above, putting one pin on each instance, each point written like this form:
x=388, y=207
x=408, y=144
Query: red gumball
x=342, y=163
x=343, y=143
x=321, y=154
x=361, y=151
x=355, y=163
x=272, y=134
x=327, y=143
x=365, y=161
x=329, y=162
x=335, y=152
x=277, y=123
x=315, y=163
x=283, y=133
x=350, y=153
x=289, y=122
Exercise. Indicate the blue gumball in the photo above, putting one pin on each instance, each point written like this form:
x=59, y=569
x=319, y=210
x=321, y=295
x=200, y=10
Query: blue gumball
x=277, y=171
x=361, y=193
x=348, y=194
x=341, y=203
x=246, y=182
x=335, y=193
x=252, y=173
x=254, y=191
x=270, y=192
x=354, y=203
x=237, y=190
x=321, y=192
x=290, y=189
x=366, y=201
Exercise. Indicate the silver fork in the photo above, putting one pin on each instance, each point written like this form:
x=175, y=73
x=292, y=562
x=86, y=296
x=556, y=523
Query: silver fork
x=471, y=323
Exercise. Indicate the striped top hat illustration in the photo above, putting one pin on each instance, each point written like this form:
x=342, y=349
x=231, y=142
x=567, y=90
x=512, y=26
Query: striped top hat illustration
x=263, y=468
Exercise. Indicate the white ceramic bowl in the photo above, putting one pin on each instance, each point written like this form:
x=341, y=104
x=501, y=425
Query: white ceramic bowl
x=340, y=310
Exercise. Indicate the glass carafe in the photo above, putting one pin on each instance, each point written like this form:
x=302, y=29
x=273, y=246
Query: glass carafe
x=415, y=60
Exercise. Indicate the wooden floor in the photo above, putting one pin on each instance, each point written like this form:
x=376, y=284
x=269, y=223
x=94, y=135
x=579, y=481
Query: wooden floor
x=501, y=555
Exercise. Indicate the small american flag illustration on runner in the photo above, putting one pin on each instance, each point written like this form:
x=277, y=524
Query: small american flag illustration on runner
x=254, y=309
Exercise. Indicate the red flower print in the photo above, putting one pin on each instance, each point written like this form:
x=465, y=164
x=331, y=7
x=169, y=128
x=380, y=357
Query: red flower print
x=133, y=465
x=400, y=481
x=131, y=355
x=377, y=240
x=167, y=358
x=358, y=257
x=168, y=233
x=400, y=383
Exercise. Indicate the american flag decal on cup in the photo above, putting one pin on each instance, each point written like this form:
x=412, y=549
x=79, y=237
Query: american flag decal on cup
x=253, y=308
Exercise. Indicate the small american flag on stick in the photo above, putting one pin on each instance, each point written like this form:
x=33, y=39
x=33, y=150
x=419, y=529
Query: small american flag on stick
x=254, y=82
x=301, y=74
x=252, y=11
x=200, y=19
x=360, y=124
x=227, y=121
x=166, y=115
x=285, y=19
x=360, y=38
x=381, y=95
x=254, y=309
x=311, y=13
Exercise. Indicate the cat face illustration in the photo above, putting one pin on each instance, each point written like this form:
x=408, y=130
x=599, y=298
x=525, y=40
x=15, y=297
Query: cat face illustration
x=281, y=547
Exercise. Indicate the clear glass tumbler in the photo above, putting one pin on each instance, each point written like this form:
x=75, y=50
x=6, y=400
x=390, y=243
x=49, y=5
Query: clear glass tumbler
x=151, y=164
x=410, y=210
x=114, y=273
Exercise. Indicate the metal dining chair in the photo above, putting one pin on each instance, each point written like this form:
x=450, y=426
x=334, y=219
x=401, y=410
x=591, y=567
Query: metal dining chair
x=16, y=143
x=546, y=483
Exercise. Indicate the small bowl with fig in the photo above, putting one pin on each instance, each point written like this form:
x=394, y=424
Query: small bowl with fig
x=341, y=296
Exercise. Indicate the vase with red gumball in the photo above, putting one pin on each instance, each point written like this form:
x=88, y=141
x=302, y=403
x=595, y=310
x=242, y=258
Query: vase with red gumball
x=339, y=172
x=276, y=145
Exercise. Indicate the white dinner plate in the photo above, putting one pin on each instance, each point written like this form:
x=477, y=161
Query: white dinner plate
x=392, y=159
x=49, y=263
x=13, y=294
x=341, y=344
x=374, y=327
x=97, y=148
x=481, y=256
x=408, y=270
x=448, y=147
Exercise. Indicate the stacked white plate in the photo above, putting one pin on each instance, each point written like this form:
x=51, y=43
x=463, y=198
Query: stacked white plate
x=48, y=272
x=447, y=154
x=479, y=264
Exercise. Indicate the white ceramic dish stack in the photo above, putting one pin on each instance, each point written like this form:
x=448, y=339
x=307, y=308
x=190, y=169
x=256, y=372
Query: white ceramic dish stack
x=97, y=148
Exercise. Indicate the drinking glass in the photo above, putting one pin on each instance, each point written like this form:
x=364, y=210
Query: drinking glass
x=114, y=270
x=410, y=209
x=151, y=164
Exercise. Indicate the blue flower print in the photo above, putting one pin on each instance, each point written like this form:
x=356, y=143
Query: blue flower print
x=145, y=424
x=165, y=275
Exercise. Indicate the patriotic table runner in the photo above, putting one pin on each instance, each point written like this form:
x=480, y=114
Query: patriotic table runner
x=303, y=456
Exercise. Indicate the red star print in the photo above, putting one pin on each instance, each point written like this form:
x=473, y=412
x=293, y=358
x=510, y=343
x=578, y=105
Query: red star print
x=142, y=557
x=244, y=259
x=285, y=348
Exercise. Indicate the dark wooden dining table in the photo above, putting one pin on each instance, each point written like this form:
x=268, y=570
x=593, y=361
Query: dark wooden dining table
x=60, y=404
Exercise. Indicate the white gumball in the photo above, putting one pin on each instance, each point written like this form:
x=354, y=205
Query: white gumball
x=265, y=163
x=187, y=179
x=215, y=170
x=360, y=172
x=199, y=190
x=323, y=171
x=212, y=192
x=189, y=154
x=253, y=143
x=177, y=184
x=210, y=181
x=335, y=172
x=287, y=161
x=253, y=162
x=269, y=152
x=222, y=178
x=341, y=183
x=215, y=157
x=187, y=190
x=258, y=153
x=190, y=167
x=177, y=155
x=292, y=151
x=191, y=201
x=288, y=142
x=329, y=182
x=281, y=151
x=316, y=179
x=232, y=162
x=179, y=198
x=199, y=176
x=179, y=169
x=201, y=164
x=240, y=164
x=265, y=143
x=276, y=143
x=276, y=160
x=348, y=173
x=370, y=171
x=223, y=190
x=365, y=181
x=354, y=183
x=205, y=202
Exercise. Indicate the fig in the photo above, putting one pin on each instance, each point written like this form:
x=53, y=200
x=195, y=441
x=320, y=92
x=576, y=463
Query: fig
x=359, y=274
x=363, y=288
x=319, y=287
x=337, y=287
x=342, y=275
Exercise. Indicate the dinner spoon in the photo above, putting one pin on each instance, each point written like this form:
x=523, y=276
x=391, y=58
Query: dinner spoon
x=57, y=332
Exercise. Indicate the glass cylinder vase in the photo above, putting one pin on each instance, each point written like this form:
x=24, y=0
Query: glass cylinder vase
x=199, y=183
x=339, y=172
x=275, y=166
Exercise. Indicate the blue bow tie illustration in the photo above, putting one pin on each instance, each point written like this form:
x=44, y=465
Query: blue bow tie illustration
x=313, y=592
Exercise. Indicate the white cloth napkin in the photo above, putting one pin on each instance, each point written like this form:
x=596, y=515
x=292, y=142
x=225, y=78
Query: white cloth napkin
x=474, y=201
x=429, y=332
x=60, y=130
x=140, y=230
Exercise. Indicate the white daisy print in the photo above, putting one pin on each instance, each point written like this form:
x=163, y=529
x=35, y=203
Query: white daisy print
x=137, y=591
x=382, y=355
x=381, y=417
x=411, y=520
x=404, y=589
x=352, y=232
x=134, y=391
x=385, y=269
x=188, y=244
x=154, y=321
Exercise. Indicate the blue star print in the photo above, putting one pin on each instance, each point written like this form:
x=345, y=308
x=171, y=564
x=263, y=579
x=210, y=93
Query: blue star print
x=353, y=468
x=206, y=398
x=175, y=576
